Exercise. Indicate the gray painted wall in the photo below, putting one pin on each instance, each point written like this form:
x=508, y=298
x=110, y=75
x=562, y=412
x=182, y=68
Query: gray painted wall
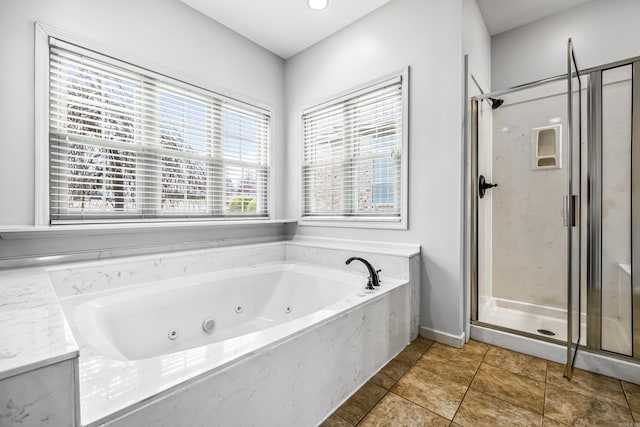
x=603, y=31
x=476, y=42
x=427, y=36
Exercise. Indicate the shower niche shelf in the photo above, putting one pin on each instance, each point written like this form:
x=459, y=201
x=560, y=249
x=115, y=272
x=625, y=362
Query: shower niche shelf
x=545, y=142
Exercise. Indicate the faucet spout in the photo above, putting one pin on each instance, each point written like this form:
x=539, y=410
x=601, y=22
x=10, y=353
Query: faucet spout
x=374, y=279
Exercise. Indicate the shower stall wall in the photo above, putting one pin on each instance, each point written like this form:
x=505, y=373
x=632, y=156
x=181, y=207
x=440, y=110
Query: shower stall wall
x=544, y=265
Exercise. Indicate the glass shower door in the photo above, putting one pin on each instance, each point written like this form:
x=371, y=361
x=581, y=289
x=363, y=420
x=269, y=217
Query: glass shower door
x=527, y=172
x=522, y=265
x=571, y=208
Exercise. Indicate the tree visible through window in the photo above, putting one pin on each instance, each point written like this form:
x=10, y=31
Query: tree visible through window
x=128, y=143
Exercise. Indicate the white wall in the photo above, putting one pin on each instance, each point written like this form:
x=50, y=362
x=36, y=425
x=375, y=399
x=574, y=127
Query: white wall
x=163, y=32
x=476, y=42
x=603, y=31
x=427, y=36
x=476, y=45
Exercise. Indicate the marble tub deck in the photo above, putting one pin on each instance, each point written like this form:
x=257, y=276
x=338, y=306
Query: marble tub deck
x=430, y=384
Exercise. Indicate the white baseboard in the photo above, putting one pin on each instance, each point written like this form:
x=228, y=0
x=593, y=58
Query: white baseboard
x=443, y=337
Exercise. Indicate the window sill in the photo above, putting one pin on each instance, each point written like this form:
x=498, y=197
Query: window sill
x=12, y=232
x=389, y=224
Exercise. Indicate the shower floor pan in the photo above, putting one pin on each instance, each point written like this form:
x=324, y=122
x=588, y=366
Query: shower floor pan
x=533, y=319
x=551, y=322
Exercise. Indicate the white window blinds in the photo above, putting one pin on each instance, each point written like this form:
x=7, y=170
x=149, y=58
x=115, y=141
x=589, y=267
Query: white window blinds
x=126, y=143
x=352, y=167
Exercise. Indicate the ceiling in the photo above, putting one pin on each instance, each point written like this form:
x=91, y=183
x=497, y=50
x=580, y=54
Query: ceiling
x=287, y=27
x=504, y=15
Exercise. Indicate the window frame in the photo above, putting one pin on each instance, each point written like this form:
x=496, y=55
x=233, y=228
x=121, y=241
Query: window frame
x=43, y=33
x=379, y=222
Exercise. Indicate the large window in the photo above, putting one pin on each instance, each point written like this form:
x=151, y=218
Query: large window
x=129, y=144
x=354, y=161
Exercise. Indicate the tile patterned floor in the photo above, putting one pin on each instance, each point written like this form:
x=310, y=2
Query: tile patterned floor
x=430, y=384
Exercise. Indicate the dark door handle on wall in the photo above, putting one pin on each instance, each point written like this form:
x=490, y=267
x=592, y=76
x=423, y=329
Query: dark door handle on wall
x=483, y=186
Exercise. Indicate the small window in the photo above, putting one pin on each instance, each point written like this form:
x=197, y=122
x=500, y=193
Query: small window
x=354, y=156
x=129, y=144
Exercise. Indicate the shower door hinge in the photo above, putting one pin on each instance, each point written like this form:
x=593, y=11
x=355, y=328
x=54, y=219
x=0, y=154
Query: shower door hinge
x=569, y=211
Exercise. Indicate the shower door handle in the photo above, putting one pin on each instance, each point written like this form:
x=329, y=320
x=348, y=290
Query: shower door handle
x=569, y=211
x=483, y=186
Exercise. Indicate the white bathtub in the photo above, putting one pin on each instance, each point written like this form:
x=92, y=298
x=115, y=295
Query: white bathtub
x=290, y=342
x=169, y=316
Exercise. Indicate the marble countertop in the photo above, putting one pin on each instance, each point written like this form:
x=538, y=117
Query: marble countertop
x=405, y=250
x=33, y=330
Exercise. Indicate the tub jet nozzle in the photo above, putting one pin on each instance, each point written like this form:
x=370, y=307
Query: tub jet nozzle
x=208, y=324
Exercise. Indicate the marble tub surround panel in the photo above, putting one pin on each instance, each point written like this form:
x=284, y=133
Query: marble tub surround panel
x=414, y=277
x=33, y=331
x=40, y=398
x=98, y=276
x=292, y=382
x=400, y=261
x=391, y=259
x=365, y=246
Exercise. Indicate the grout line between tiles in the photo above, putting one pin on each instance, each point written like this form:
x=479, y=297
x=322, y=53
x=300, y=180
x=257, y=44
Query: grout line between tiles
x=626, y=398
x=544, y=402
x=420, y=406
x=371, y=409
x=470, y=382
x=390, y=387
x=342, y=419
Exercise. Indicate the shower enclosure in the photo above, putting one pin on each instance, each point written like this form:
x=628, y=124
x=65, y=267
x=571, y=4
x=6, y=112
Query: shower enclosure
x=555, y=207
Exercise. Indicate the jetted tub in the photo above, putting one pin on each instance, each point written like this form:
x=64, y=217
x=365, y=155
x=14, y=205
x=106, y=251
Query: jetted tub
x=275, y=344
x=180, y=314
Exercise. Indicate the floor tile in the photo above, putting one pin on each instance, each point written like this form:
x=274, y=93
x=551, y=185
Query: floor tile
x=424, y=340
x=632, y=391
x=335, y=421
x=354, y=409
x=450, y=367
x=550, y=422
x=393, y=410
x=475, y=347
x=413, y=351
x=479, y=385
x=579, y=409
x=479, y=409
x=430, y=391
x=518, y=363
x=513, y=388
x=471, y=352
x=586, y=383
x=390, y=374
